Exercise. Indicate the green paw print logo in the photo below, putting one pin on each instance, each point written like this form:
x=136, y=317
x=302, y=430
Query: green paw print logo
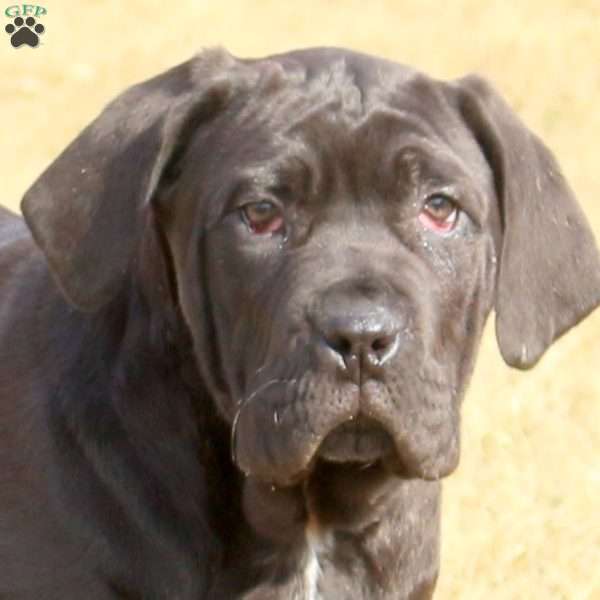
x=25, y=30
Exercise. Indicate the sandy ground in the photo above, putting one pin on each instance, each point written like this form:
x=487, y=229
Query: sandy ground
x=522, y=513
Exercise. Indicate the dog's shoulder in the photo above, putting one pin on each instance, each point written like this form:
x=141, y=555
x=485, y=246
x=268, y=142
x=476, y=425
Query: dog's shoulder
x=18, y=254
x=12, y=227
x=16, y=241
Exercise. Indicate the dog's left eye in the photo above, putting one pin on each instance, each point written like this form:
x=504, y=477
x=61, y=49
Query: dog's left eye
x=439, y=213
x=263, y=217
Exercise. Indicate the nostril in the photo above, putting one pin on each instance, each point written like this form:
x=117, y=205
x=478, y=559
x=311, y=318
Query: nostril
x=340, y=344
x=384, y=346
x=380, y=344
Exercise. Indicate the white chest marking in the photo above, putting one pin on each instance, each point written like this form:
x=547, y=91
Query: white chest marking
x=312, y=569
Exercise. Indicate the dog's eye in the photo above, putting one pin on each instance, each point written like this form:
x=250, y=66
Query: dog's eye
x=263, y=217
x=439, y=213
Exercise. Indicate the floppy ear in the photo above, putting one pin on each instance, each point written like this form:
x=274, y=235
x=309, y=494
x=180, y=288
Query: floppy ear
x=86, y=210
x=549, y=266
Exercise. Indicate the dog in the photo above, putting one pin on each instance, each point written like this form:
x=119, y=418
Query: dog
x=239, y=317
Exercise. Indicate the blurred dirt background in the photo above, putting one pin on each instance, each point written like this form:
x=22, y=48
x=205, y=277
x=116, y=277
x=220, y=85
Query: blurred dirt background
x=522, y=513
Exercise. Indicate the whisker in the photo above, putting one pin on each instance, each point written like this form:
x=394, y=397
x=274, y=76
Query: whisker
x=243, y=403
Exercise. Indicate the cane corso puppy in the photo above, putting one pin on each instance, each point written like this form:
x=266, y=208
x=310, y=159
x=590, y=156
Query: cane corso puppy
x=239, y=317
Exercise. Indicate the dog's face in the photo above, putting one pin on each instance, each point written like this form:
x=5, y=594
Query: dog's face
x=351, y=265
x=338, y=228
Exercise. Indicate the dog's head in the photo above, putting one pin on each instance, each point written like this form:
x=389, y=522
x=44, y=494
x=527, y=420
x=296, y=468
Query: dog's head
x=335, y=229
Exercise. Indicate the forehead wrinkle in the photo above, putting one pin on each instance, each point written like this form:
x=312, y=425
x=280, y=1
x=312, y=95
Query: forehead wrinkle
x=331, y=110
x=340, y=83
x=294, y=95
x=390, y=129
x=332, y=92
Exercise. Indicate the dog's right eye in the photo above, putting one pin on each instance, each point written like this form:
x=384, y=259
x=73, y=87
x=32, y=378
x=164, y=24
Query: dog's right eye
x=439, y=214
x=263, y=217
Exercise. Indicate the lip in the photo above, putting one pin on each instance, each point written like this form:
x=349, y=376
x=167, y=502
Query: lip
x=359, y=440
x=281, y=449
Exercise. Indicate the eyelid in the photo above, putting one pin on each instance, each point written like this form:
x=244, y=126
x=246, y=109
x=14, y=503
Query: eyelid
x=449, y=192
x=248, y=201
x=244, y=193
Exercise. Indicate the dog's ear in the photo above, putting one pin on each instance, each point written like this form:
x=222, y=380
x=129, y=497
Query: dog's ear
x=549, y=266
x=86, y=210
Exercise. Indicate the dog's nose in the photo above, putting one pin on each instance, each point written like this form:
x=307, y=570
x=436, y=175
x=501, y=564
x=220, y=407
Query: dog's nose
x=358, y=331
x=368, y=339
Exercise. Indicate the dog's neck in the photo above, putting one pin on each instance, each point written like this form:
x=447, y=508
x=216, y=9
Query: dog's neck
x=377, y=540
